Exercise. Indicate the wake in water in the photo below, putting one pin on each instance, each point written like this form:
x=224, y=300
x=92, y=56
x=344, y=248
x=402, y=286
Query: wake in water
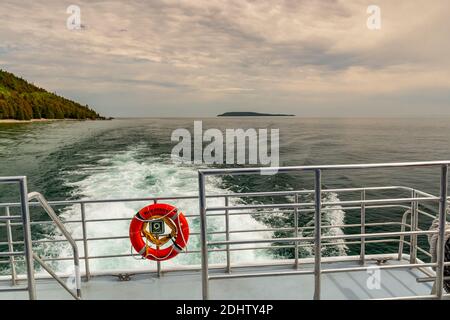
x=130, y=175
x=332, y=220
x=127, y=175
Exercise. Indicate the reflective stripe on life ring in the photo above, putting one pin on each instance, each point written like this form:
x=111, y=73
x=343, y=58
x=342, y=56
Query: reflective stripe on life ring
x=172, y=217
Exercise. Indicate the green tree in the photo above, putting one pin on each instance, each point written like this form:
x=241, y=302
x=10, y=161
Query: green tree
x=22, y=100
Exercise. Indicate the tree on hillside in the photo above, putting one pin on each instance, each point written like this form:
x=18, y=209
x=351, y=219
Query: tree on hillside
x=22, y=100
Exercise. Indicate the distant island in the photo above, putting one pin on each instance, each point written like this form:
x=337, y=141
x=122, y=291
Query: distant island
x=21, y=100
x=254, y=114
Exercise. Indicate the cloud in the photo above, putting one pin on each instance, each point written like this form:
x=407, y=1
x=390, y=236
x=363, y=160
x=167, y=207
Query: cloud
x=202, y=57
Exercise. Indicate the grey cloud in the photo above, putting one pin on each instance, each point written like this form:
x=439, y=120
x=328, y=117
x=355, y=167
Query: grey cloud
x=202, y=56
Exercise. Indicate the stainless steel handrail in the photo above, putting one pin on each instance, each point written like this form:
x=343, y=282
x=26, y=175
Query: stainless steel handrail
x=220, y=195
x=86, y=240
x=49, y=210
x=307, y=208
x=27, y=244
x=318, y=205
x=271, y=170
x=226, y=196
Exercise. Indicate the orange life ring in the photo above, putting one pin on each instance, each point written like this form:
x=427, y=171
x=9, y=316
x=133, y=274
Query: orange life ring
x=141, y=236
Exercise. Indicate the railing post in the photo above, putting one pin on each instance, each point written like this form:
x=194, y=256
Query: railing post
x=227, y=230
x=363, y=229
x=11, y=248
x=296, y=230
x=413, y=239
x=317, y=233
x=402, y=237
x=203, y=235
x=442, y=225
x=28, y=248
x=85, y=242
x=158, y=263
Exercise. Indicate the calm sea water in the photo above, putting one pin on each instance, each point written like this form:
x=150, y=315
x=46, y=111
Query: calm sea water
x=131, y=158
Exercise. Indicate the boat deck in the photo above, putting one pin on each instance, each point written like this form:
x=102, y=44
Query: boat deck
x=182, y=285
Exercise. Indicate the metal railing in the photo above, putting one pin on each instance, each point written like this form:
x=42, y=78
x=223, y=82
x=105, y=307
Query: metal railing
x=27, y=245
x=302, y=208
x=48, y=209
x=408, y=203
x=27, y=242
x=319, y=206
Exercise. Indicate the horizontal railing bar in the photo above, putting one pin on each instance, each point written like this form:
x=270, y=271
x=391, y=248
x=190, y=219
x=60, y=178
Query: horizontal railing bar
x=239, y=171
x=8, y=218
x=294, y=192
x=288, y=273
x=397, y=266
x=223, y=214
x=71, y=202
x=232, y=249
x=221, y=195
x=310, y=191
x=220, y=214
x=12, y=254
x=4, y=243
x=429, y=279
x=338, y=203
x=12, y=179
x=13, y=289
x=329, y=208
x=128, y=255
x=375, y=235
x=328, y=244
x=118, y=238
x=217, y=250
x=286, y=229
x=237, y=249
x=422, y=297
x=347, y=236
x=261, y=274
x=222, y=266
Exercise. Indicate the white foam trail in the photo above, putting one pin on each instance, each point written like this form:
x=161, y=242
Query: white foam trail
x=335, y=217
x=123, y=175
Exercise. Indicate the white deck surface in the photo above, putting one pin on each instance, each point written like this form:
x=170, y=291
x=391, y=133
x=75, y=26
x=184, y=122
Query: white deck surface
x=182, y=285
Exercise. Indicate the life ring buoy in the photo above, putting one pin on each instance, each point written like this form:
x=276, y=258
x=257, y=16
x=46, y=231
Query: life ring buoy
x=142, y=237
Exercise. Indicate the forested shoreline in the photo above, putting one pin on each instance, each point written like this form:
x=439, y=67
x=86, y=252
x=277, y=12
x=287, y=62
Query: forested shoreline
x=21, y=100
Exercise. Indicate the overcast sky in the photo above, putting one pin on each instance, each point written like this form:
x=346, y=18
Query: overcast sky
x=204, y=57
